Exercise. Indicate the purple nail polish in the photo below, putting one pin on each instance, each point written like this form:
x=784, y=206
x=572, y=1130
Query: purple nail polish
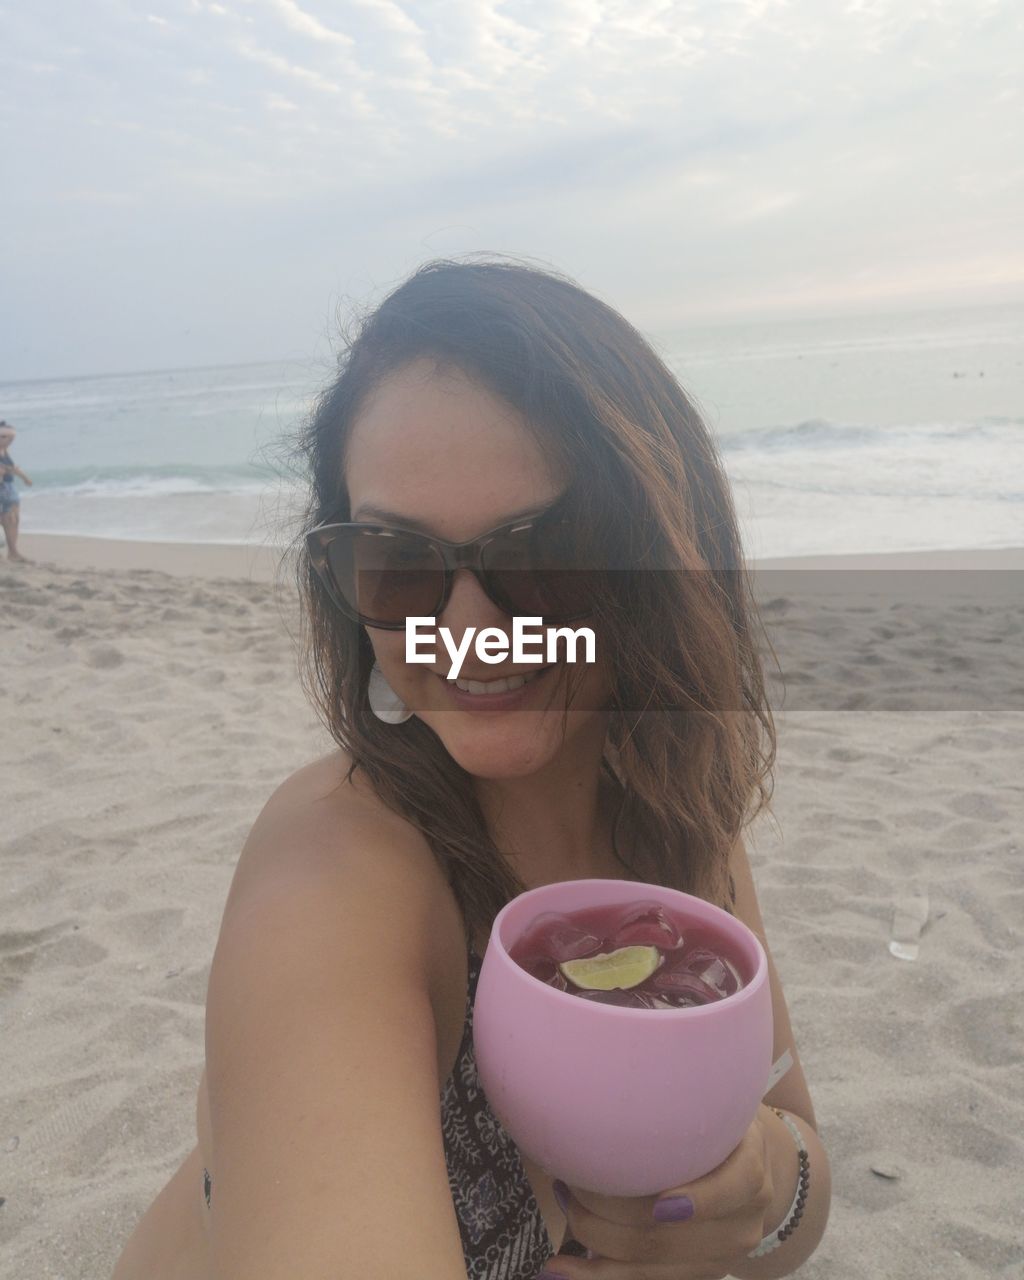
x=562, y=1196
x=551, y=1275
x=674, y=1209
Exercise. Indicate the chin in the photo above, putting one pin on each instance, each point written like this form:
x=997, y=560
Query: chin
x=513, y=749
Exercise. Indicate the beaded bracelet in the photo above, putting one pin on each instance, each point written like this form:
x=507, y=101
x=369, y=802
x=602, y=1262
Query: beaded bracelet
x=796, y=1209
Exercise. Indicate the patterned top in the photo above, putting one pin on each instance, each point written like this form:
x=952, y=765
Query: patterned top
x=503, y=1233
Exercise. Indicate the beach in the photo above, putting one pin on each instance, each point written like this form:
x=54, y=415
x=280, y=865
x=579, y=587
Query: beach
x=150, y=704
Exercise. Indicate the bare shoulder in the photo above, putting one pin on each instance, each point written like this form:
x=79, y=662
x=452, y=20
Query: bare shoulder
x=325, y=830
x=321, y=814
x=326, y=834
x=324, y=1030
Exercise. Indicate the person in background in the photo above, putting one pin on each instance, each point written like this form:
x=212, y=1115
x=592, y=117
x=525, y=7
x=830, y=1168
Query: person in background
x=10, y=503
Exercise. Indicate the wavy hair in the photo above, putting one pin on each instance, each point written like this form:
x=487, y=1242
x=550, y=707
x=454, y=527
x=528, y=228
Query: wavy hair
x=691, y=741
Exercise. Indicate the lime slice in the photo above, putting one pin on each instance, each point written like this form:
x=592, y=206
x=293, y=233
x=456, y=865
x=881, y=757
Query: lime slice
x=625, y=968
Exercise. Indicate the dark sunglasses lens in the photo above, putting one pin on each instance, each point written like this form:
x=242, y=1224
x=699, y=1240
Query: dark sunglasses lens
x=384, y=577
x=540, y=572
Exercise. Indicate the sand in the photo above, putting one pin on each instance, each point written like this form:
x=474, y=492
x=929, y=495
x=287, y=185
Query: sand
x=149, y=704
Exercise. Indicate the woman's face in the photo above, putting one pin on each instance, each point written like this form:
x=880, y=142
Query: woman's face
x=449, y=457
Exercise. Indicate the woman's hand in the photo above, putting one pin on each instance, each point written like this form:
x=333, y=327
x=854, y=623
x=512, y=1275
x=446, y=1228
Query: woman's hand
x=701, y=1231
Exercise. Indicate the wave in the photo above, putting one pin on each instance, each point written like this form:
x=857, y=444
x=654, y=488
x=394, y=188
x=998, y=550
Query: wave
x=161, y=480
x=859, y=489
x=820, y=433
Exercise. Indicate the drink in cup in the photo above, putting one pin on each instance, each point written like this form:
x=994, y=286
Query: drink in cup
x=641, y=955
x=623, y=1032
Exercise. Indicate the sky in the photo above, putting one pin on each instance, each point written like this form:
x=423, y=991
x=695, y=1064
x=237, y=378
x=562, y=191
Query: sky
x=193, y=183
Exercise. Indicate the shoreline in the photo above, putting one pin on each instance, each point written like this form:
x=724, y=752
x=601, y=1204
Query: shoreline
x=250, y=562
x=241, y=562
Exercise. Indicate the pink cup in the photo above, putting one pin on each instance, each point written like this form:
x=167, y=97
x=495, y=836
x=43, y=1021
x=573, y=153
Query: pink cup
x=624, y=1102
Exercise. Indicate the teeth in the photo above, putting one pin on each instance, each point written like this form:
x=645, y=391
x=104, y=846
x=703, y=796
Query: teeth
x=494, y=686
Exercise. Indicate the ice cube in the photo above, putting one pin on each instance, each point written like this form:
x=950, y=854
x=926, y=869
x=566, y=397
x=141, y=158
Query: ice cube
x=646, y=924
x=681, y=982
x=623, y=999
x=645, y=1000
x=713, y=969
x=543, y=968
x=676, y=1001
x=555, y=936
x=538, y=966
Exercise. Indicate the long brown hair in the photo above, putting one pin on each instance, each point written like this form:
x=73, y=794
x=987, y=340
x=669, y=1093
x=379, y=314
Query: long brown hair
x=691, y=740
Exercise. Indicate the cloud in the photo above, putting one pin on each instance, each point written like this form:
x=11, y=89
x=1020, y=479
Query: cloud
x=277, y=102
x=390, y=15
x=298, y=20
x=282, y=66
x=765, y=204
x=750, y=150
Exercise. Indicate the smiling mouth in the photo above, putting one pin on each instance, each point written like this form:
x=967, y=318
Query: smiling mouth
x=506, y=684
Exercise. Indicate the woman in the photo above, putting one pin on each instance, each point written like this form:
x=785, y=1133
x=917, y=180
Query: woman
x=10, y=503
x=340, y=1129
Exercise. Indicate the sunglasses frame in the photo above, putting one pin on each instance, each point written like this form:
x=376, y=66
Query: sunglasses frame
x=453, y=555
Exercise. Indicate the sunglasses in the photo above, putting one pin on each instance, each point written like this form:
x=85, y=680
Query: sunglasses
x=380, y=575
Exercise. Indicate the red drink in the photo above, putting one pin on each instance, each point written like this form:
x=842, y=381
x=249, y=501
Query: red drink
x=692, y=964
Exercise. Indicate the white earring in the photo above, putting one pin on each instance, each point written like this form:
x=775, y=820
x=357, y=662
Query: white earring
x=385, y=704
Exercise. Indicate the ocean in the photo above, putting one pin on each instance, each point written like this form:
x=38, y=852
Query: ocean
x=840, y=435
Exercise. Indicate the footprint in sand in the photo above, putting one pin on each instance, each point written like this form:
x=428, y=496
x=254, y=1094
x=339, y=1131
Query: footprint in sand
x=58, y=1129
x=975, y=804
x=13, y=940
x=74, y=950
x=13, y=969
x=985, y=1030
x=66, y=634
x=20, y=949
x=147, y=928
x=855, y=702
x=972, y=1140
x=104, y=656
x=984, y=1250
x=921, y=819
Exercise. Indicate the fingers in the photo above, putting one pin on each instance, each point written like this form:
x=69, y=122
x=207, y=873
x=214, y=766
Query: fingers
x=561, y=1268
x=737, y=1182
x=641, y=1249
x=623, y=1211
x=727, y=1208
x=742, y=1179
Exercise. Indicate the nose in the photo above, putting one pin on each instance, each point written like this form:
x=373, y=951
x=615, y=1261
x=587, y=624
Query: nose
x=470, y=606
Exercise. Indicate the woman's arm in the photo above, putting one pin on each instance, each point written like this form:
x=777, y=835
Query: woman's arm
x=791, y=1095
x=327, y=1156
x=799, y=1246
